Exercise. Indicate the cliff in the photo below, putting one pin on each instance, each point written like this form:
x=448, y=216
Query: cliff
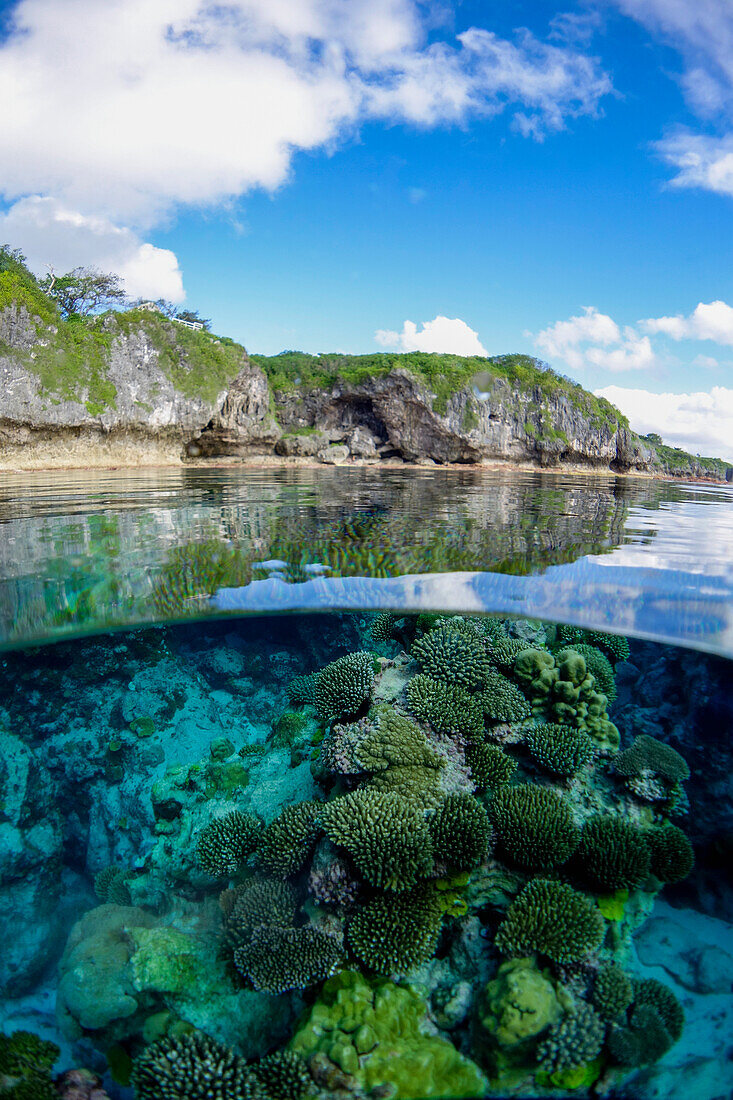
x=133, y=387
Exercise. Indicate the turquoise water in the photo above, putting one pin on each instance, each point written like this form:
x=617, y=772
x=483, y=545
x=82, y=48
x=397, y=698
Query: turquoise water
x=259, y=838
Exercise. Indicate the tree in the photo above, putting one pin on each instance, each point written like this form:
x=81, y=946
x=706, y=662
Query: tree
x=654, y=438
x=83, y=291
x=191, y=315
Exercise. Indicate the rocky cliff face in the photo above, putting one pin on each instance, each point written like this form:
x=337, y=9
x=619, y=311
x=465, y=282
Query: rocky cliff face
x=136, y=388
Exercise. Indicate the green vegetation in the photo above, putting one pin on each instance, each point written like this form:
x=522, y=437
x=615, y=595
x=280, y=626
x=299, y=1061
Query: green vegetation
x=444, y=375
x=676, y=461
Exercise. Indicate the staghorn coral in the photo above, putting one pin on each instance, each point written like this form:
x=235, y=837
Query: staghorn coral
x=575, y=1040
x=276, y=960
x=460, y=833
x=534, y=826
x=256, y=902
x=283, y=1075
x=384, y=834
x=553, y=919
x=559, y=749
x=647, y=755
x=501, y=700
x=110, y=885
x=226, y=843
x=490, y=766
x=614, y=646
x=23, y=1053
x=672, y=857
x=448, y=708
x=455, y=656
x=193, y=1067
x=288, y=841
x=613, y=853
x=370, y=1037
x=612, y=992
x=343, y=687
x=392, y=934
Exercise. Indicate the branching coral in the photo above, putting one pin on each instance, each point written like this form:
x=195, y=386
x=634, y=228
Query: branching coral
x=575, y=1040
x=501, y=700
x=382, y=627
x=534, y=826
x=503, y=651
x=553, y=919
x=24, y=1054
x=276, y=960
x=612, y=992
x=343, y=687
x=385, y=740
x=460, y=832
x=226, y=843
x=648, y=991
x=490, y=766
x=110, y=885
x=193, y=1067
x=646, y=754
x=392, y=934
x=613, y=853
x=454, y=656
x=302, y=689
x=384, y=834
x=256, y=902
x=448, y=708
x=560, y=749
x=615, y=646
x=283, y=1075
x=672, y=857
x=288, y=841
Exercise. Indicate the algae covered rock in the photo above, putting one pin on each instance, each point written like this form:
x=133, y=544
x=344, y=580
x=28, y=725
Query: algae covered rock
x=373, y=1034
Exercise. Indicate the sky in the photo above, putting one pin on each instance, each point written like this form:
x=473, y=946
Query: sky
x=467, y=176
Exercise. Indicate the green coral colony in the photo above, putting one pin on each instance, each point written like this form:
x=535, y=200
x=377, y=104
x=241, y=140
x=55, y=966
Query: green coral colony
x=450, y=916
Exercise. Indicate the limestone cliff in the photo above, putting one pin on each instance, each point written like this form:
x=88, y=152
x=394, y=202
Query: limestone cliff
x=134, y=387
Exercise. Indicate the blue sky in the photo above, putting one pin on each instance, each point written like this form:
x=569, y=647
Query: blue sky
x=393, y=174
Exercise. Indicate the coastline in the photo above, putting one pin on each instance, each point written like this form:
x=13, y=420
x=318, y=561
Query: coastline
x=150, y=455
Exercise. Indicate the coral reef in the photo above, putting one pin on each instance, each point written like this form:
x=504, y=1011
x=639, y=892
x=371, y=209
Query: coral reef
x=276, y=959
x=574, y=1041
x=193, y=1067
x=553, y=919
x=559, y=749
x=447, y=707
x=392, y=934
x=343, y=687
x=534, y=826
x=612, y=992
x=490, y=766
x=288, y=841
x=454, y=656
x=613, y=853
x=460, y=833
x=226, y=844
x=369, y=1035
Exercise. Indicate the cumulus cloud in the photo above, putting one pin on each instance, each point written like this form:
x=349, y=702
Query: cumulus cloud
x=701, y=160
x=594, y=339
x=702, y=32
x=51, y=234
x=128, y=109
x=449, y=335
x=698, y=422
x=708, y=321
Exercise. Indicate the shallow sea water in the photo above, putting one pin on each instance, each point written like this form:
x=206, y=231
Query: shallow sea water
x=365, y=784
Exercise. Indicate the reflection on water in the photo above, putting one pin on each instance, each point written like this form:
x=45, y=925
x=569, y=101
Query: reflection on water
x=118, y=548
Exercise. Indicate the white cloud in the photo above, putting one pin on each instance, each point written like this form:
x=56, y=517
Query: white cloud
x=449, y=335
x=698, y=422
x=708, y=321
x=594, y=339
x=700, y=160
x=707, y=362
x=702, y=32
x=50, y=233
x=128, y=109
